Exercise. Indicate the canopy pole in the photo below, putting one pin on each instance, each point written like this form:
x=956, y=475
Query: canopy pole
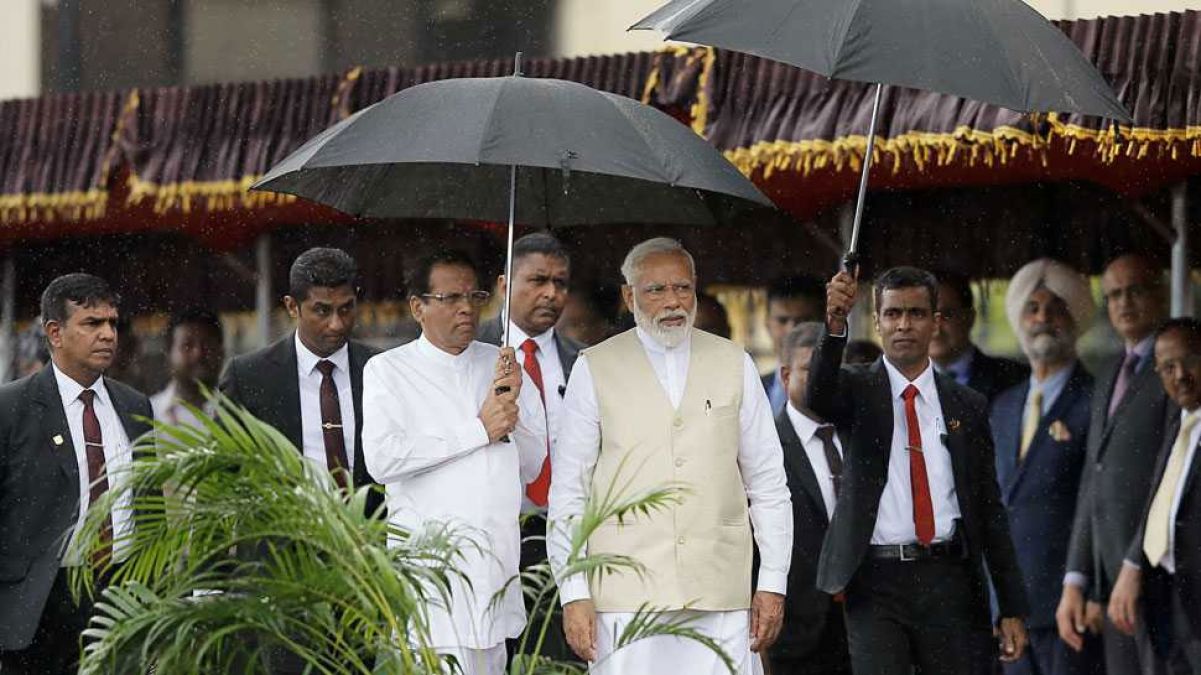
x=8, y=311
x=1182, y=289
x=262, y=290
x=852, y=257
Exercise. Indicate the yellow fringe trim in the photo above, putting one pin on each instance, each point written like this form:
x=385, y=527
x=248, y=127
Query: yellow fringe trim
x=222, y=195
x=700, y=108
x=51, y=207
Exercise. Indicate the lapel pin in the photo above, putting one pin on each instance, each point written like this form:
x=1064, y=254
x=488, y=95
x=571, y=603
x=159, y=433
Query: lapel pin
x=58, y=440
x=953, y=425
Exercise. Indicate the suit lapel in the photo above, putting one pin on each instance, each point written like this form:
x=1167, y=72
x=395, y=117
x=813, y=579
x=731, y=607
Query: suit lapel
x=567, y=354
x=126, y=411
x=54, y=424
x=1141, y=380
x=880, y=436
x=953, y=413
x=1009, y=437
x=358, y=359
x=798, y=460
x=288, y=377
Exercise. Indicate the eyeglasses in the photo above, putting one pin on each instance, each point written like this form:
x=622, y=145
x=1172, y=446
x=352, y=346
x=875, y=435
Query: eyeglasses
x=659, y=291
x=474, y=298
x=1170, y=368
x=1133, y=292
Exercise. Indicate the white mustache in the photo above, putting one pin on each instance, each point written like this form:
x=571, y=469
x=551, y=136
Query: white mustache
x=671, y=314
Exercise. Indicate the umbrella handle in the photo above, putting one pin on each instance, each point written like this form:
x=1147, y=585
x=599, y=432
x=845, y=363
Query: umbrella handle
x=850, y=263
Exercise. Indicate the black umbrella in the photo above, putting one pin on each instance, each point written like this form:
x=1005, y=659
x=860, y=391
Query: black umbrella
x=466, y=148
x=995, y=51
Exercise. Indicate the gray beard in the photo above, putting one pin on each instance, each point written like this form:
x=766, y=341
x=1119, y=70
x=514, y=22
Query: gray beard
x=1051, y=348
x=668, y=337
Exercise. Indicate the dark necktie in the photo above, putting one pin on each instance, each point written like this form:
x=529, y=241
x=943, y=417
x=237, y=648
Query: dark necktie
x=539, y=490
x=93, y=442
x=1125, y=376
x=833, y=459
x=923, y=508
x=331, y=425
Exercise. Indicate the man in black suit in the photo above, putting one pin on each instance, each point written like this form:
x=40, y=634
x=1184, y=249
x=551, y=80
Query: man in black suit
x=952, y=350
x=62, y=430
x=309, y=385
x=813, y=640
x=1160, y=581
x=1126, y=430
x=541, y=277
x=791, y=301
x=919, y=515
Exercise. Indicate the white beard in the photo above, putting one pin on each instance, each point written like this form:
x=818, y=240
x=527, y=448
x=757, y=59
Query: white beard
x=668, y=336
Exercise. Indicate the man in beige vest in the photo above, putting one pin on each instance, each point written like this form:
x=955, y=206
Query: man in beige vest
x=658, y=405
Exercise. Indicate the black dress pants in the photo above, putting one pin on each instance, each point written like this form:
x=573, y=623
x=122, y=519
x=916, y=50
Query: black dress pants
x=923, y=617
x=55, y=649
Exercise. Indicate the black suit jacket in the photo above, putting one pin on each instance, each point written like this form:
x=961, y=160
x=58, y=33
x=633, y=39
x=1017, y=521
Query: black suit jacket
x=266, y=383
x=569, y=350
x=1186, y=549
x=807, y=609
x=991, y=375
x=858, y=399
x=1117, y=475
x=39, y=492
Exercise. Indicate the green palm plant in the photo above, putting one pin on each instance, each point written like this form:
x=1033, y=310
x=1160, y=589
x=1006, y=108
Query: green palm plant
x=252, y=551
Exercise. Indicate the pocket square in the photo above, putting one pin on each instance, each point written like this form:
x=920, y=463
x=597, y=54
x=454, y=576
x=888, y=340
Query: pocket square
x=1059, y=431
x=952, y=425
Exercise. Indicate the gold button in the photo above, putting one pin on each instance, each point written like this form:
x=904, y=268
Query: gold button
x=678, y=422
x=679, y=462
x=680, y=541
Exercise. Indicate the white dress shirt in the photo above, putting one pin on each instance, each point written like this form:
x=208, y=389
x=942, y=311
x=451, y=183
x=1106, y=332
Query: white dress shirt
x=760, y=459
x=554, y=381
x=806, y=430
x=424, y=441
x=169, y=409
x=894, y=520
x=1168, y=561
x=310, y=402
x=117, y=457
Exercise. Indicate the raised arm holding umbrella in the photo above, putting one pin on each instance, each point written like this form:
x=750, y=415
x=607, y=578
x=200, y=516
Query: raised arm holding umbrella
x=995, y=51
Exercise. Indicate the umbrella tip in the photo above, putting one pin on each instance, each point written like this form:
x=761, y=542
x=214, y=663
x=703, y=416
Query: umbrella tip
x=517, y=65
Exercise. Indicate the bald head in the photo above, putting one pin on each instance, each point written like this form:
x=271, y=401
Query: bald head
x=1135, y=297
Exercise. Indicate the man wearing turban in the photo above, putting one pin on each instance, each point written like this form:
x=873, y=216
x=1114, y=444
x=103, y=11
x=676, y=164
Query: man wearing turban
x=1040, y=432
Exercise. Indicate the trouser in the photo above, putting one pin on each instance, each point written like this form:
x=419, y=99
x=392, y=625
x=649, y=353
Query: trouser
x=921, y=616
x=533, y=552
x=1049, y=655
x=55, y=649
x=828, y=657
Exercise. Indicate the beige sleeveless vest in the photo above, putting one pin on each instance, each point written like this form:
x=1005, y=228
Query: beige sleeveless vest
x=697, y=554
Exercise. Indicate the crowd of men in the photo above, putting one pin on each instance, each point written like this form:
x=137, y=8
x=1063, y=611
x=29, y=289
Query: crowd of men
x=923, y=507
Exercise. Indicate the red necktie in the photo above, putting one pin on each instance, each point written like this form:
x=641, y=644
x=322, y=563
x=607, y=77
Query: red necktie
x=331, y=425
x=97, y=477
x=923, y=510
x=540, y=488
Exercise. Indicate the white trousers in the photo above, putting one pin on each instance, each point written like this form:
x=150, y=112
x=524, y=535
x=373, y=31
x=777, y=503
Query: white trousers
x=489, y=661
x=668, y=654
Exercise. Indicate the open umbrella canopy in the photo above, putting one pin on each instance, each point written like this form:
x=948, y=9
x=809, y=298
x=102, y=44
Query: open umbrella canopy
x=995, y=51
x=576, y=156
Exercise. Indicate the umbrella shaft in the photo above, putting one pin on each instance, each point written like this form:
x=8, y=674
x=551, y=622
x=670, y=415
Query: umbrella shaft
x=505, y=315
x=867, y=167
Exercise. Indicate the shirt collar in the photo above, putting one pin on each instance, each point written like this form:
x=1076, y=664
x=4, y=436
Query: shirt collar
x=1053, y=386
x=805, y=426
x=69, y=389
x=923, y=382
x=961, y=365
x=517, y=337
x=654, y=346
x=1143, y=349
x=440, y=356
x=307, y=360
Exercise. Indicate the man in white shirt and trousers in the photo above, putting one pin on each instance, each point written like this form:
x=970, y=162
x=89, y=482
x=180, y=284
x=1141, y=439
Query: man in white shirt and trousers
x=667, y=404
x=454, y=435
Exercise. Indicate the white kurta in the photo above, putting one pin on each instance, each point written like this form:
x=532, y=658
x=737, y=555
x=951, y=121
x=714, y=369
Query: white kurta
x=761, y=461
x=422, y=439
